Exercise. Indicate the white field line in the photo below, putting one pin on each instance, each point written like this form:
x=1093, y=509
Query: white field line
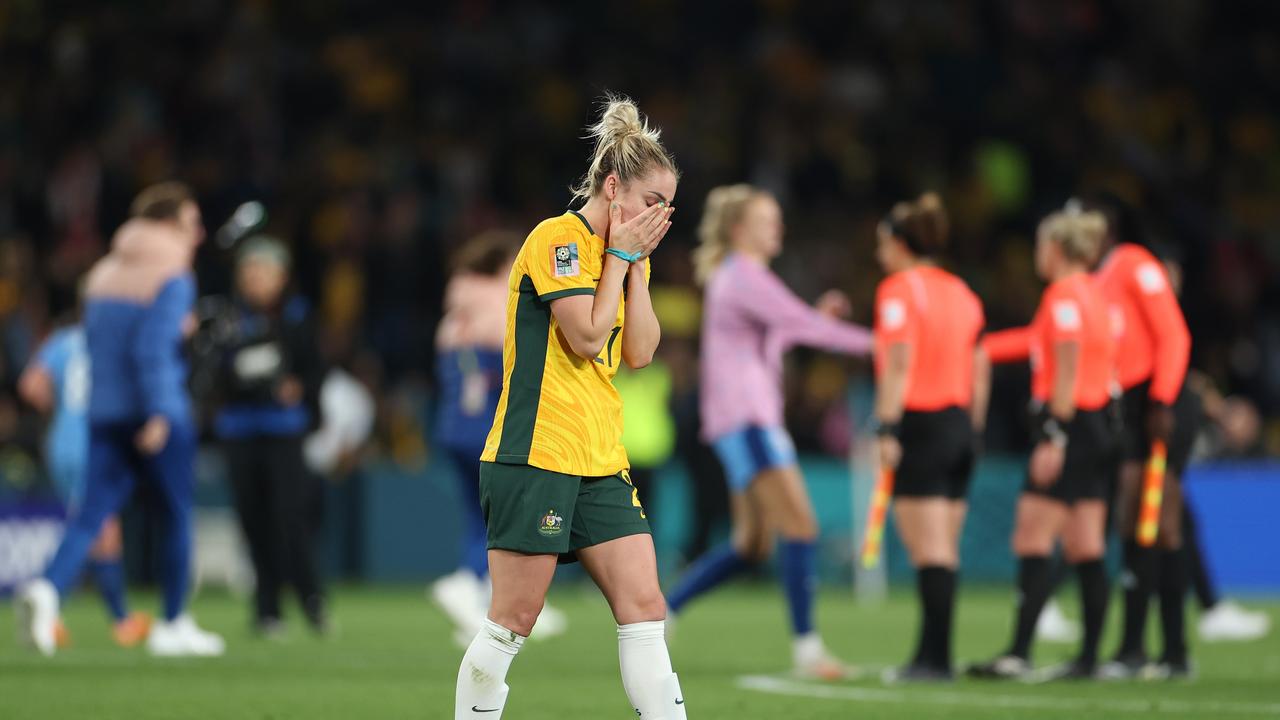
x=921, y=696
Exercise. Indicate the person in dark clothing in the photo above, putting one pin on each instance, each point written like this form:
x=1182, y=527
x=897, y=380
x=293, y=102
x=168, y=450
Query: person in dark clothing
x=270, y=375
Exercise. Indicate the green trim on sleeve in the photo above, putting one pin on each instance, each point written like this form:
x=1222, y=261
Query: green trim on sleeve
x=557, y=294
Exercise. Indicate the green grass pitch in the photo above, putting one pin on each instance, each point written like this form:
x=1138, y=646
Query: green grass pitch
x=392, y=658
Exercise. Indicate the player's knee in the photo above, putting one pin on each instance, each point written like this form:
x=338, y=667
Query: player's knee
x=1031, y=541
x=645, y=606
x=519, y=620
x=1083, y=550
x=937, y=555
x=800, y=527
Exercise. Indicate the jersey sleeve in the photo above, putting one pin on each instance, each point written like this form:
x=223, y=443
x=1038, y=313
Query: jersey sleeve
x=1064, y=318
x=52, y=356
x=1149, y=286
x=560, y=264
x=896, y=321
x=791, y=321
x=1007, y=346
x=157, y=349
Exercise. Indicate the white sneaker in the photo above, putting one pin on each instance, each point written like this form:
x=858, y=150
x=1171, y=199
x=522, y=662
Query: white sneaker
x=1054, y=626
x=812, y=661
x=1229, y=621
x=182, y=638
x=37, y=610
x=461, y=598
x=551, y=623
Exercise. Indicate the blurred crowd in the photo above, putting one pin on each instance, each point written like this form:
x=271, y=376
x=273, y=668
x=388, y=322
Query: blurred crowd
x=380, y=136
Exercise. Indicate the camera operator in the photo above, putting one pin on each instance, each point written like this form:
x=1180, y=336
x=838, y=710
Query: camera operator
x=267, y=384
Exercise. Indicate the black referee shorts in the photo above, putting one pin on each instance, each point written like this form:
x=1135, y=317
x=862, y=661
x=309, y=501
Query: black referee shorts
x=1188, y=412
x=1089, y=467
x=937, y=454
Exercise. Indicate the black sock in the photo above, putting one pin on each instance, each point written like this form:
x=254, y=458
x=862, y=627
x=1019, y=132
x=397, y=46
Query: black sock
x=1094, y=594
x=1141, y=566
x=1173, y=594
x=1034, y=576
x=937, y=588
x=1197, y=573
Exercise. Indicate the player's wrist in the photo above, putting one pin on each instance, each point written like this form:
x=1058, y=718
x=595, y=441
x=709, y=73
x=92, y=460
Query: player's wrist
x=1050, y=428
x=630, y=257
x=888, y=428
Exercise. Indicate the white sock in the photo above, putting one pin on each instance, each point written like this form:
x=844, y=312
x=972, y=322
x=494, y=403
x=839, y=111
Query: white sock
x=646, y=665
x=807, y=649
x=482, y=688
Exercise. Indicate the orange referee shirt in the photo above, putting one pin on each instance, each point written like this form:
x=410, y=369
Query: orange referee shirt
x=1072, y=309
x=1151, y=333
x=938, y=317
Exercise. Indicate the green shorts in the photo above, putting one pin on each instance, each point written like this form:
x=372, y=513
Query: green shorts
x=530, y=510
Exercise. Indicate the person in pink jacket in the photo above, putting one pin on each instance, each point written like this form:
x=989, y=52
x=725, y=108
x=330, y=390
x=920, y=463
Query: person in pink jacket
x=750, y=319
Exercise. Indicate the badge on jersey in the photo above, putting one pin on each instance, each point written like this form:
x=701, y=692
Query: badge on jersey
x=1151, y=278
x=1066, y=315
x=564, y=260
x=893, y=314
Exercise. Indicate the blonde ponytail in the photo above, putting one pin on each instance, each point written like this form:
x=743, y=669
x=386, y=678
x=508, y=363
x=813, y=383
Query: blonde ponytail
x=1078, y=232
x=625, y=145
x=724, y=209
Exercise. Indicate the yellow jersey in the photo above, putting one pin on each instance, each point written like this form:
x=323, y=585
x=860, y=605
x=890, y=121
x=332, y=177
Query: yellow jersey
x=557, y=411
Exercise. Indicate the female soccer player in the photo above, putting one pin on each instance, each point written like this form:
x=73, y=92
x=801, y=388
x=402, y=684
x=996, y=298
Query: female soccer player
x=1072, y=357
x=927, y=324
x=750, y=318
x=553, y=478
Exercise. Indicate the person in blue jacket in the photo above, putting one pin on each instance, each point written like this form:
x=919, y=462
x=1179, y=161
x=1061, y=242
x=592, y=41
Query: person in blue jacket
x=138, y=302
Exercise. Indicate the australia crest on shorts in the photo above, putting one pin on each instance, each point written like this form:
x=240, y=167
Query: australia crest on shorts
x=551, y=524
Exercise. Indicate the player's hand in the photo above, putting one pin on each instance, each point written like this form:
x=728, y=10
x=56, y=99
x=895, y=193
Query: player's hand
x=642, y=233
x=890, y=452
x=1046, y=463
x=834, y=304
x=153, y=435
x=1160, y=421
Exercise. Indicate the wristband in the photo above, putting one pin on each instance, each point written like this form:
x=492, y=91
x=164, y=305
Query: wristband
x=893, y=430
x=629, y=257
x=1051, y=429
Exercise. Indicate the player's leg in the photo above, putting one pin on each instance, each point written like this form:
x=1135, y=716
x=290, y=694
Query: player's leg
x=108, y=484
x=1173, y=582
x=520, y=583
x=626, y=571
x=781, y=493
x=748, y=535
x=293, y=496
x=1084, y=545
x=925, y=525
x=463, y=594
x=108, y=572
x=930, y=489
x=172, y=472
x=106, y=558
x=1039, y=520
x=474, y=556
x=745, y=547
x=248, y=486
x=525, y=511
